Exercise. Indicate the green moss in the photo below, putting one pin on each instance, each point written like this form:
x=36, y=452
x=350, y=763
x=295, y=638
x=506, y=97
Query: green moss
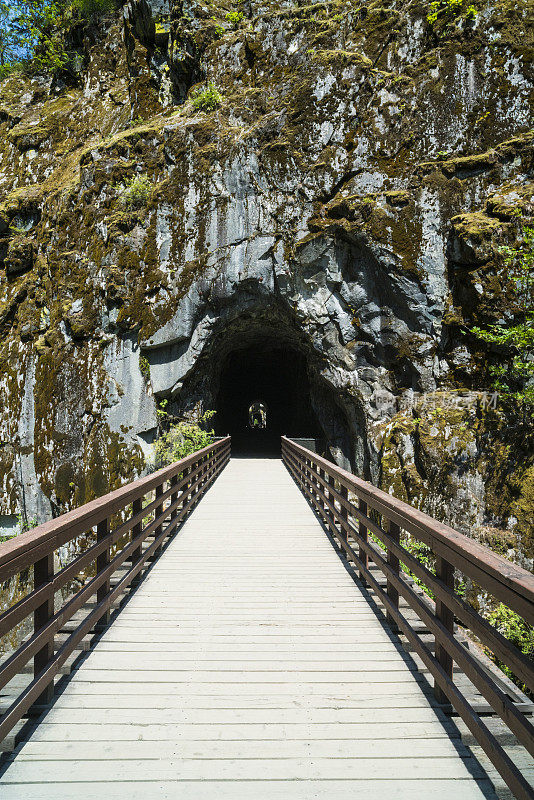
x=399, y=198
x=27, y=136
x=511, y=203
x=335, y=58
x=477, y=227
x=442, y=432
x=523, y=508
x=470, y=164
x=20, y=255
x=397, y=476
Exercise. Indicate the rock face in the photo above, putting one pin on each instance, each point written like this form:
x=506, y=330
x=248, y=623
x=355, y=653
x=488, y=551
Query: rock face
x=341, y=195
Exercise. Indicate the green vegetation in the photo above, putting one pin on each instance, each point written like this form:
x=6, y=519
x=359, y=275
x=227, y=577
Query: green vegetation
x=34, y=33
x=182, y=439
x=424, y=555
x=14, y=230
x=161, y=410
x=513, y=377
x=518, y=632
x=137, y=191
x=219, y=30
x=234, y=17
x=24, y=524
x=144, y=368
x=207, y=99
x=449, y=10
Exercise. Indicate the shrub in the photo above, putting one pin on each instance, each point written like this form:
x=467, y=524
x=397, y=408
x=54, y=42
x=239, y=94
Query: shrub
x=144, y=368
x=182, y=439
x=207, y=99
x=137, y=191
x=449, y=10
x=88, y=9
x=518, y=632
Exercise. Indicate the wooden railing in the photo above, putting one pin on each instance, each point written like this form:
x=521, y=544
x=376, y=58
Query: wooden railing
x=369, y=530
x=119, y=526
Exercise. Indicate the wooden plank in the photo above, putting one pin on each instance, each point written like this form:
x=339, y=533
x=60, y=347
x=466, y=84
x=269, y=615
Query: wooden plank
x=253, y=790
x=409, y=697
x=200, y=768
x=242, y=749
x=239, y=731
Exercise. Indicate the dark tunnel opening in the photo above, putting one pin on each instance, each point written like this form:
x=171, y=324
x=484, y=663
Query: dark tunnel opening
x=274, y=379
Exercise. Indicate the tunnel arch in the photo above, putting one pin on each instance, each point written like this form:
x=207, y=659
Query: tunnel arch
x=263, y=353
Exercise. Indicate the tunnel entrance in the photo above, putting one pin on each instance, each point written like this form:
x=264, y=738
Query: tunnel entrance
x=263, y=393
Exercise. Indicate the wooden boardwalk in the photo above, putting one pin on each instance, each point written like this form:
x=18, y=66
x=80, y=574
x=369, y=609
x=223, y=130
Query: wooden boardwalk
x=247, y=664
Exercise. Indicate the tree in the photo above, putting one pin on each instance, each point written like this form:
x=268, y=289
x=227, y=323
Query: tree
x=8, y=42
x=33, y=33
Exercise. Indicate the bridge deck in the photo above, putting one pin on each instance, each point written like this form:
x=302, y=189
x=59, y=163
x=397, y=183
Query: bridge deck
x=248, y=664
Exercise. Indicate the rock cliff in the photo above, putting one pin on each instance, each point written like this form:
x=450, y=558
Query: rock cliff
x=336, y=178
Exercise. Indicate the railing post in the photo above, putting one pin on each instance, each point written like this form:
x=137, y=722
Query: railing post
x=316, y=486
x=203, y=474
x=306, y=477
x=137, y=506
x=343, y=512
x=393, y=561
x=207, y=467
x=320, y=474
x=102, y=561
x=330, y=494
x=210, y=458
x=214, y=456
x=313, y=485
x=200, y=478
x=158, y=513
x=174, y=498
x=303, y=465
x=189, y=493
x=363, y=534
x=309, y=478
x=301, y=477
x=43, y=572
x=445, y=572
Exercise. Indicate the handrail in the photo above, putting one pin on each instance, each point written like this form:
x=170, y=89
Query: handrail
x=330, y=489
x=177, y=488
